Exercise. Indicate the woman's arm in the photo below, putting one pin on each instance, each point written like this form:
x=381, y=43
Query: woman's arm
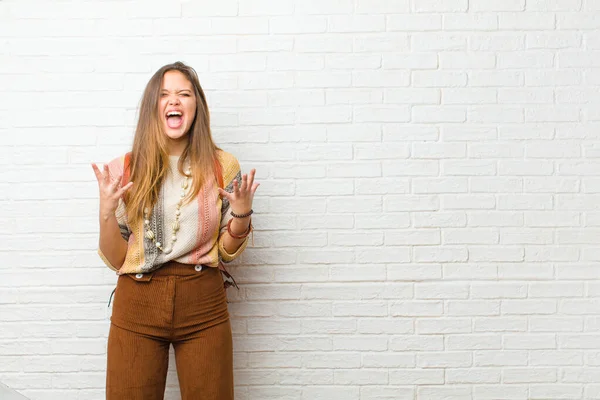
x=112, y=245
x=240, y=202
x=238, y=226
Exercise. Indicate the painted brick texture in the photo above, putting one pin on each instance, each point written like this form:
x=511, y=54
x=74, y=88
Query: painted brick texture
x=428, y=220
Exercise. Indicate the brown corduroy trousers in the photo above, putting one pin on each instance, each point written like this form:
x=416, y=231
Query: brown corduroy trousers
x=176, y=304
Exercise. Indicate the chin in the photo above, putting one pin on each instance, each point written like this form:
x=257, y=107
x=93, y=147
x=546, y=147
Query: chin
x=176, y=133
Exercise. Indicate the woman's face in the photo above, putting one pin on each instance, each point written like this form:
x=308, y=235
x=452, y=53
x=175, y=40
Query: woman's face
x=177, y=108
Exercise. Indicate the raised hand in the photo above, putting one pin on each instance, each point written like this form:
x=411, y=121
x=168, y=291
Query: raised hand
x=243, y=193
x=110, y=190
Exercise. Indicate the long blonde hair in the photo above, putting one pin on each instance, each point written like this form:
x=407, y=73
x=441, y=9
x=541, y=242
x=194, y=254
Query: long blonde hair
x=150, y=157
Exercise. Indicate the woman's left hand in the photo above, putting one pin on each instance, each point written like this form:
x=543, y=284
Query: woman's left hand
x=243, y=193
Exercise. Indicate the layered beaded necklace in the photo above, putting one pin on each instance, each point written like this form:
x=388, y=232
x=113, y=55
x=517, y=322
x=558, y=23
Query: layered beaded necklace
x=185, y=185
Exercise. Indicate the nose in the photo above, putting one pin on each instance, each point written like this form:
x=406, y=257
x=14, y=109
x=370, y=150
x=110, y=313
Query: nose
x=174, y=100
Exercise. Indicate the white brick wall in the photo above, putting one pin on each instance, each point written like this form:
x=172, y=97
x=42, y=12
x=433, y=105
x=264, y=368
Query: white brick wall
x=427, y=223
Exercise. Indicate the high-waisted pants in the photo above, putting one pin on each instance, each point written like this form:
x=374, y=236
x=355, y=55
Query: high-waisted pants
x=176, y=304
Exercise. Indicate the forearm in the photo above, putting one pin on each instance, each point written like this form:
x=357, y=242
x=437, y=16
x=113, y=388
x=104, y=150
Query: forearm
x=112, y=245
x=238, y=226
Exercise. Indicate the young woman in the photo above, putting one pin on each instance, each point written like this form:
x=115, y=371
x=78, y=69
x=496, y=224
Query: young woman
x=171, y=212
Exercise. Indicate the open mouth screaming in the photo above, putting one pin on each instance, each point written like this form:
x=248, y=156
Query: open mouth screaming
x=174, y=119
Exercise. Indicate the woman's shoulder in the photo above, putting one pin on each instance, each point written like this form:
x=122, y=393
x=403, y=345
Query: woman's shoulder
x=117, y=165
x=228, y=160
x=226, y=157
x=230, y=165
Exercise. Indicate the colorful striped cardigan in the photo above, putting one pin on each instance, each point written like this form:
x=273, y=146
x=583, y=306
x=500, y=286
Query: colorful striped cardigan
x=199, y=240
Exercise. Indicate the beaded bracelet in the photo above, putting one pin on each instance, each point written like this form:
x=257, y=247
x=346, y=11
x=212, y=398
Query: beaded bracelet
x=249, y=213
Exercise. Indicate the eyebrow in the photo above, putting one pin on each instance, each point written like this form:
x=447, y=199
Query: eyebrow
x=178, y=91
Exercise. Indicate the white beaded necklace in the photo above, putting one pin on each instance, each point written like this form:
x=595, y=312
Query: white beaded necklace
x=150, y=235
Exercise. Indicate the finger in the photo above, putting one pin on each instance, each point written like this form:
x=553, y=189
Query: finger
x=254, y=187
x=97, y=172
x=115, y=183
x=244, y=182
x=236, y=188
x=251, y=177
x=125, y=188
x=224, y=193
x=106, y=174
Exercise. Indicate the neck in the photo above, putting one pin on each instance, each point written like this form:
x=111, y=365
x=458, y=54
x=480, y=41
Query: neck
x=176, y=147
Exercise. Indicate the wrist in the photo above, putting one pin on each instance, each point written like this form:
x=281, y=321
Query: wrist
x=242, y=227
x=105, y=215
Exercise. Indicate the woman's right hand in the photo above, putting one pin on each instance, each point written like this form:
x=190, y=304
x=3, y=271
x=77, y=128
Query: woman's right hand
x=110, y=190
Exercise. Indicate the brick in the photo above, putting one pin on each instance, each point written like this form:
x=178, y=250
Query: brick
x=416, y=308
x=362, y=377
x=530, y=342
x=389, y=42
x=416, y=376
x=497, y=42
x=382, y=6
x=443, y=326
x=444, y=360
x=263, y=7
x=557, y=391
x=501, y=324
x=388, y=360
x=498, y=291
x=526, y=21
x=559, y=185
x=360, y=309
x=325, y=392
x=359, y=343
x=526, y=307
x=501, y=392
x=438, y=42
x=556, y=357
x=577, y=20
x=441, y=6
x=331, y=360
x=555, y=324
x=471, y=22
x=554, y=5
x=437, y=79
x=359, y=273
x=433, y=185
x=320, y=7
x=414, y=22
x=441, y=291
x=353, y=61
x=385, y=326
x=356, y=23
x=354, y=96
x=468, y=201
x=472, y=376
x=490, y=5
x=499, y=358
x=411, y=96
x=473, y=307
x=297, y=24
x=414, y=272
x=416, y=343
x=449, y=392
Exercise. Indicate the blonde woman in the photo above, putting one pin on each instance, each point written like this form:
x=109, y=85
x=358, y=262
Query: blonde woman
x=171, y=212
